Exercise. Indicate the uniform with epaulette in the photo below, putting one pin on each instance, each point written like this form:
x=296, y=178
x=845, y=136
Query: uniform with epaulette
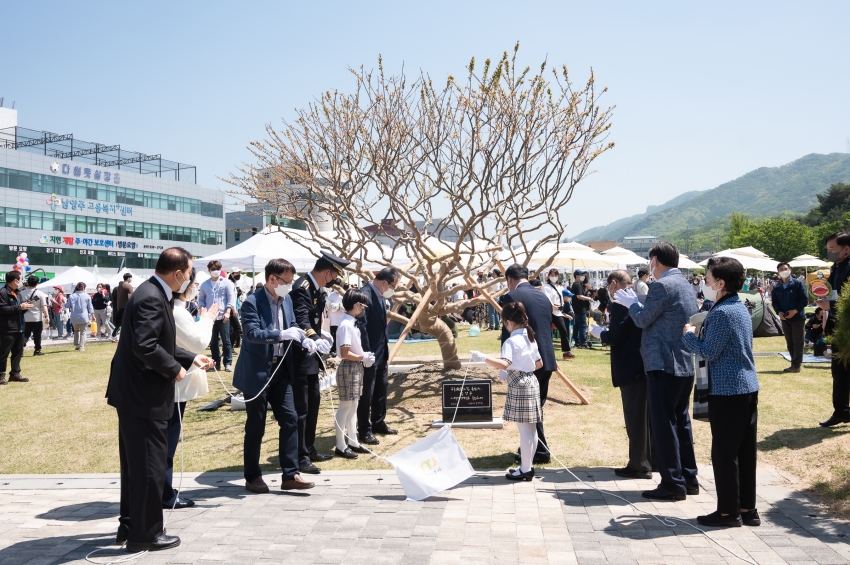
x=308, y=301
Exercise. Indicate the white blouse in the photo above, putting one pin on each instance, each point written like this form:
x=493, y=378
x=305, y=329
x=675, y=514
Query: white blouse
x=348, y=334
x=519, y=350
x=193, y=337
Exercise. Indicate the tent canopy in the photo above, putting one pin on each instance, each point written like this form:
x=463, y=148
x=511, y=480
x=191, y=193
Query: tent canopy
x=751, y=259
x=686, y=263
x=69, y=279
x=573, y=255
x=809, y=261
x=624, y=256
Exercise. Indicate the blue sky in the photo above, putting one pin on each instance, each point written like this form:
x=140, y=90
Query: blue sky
x=705, y=92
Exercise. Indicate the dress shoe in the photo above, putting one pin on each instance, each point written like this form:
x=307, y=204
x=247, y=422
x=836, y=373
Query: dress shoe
x=180, y=504
x=159, y=543
x=368, y=439
x=35, y=353
x=751, y=517
x=717, y=520
x=258, y=486
x=693, y=490
x=17, y=378
x=121, y=536
x=310, y=469
x=568, y=355
x=347, y=454
x=317, y=457
x=517, y=475
x=2, y=379
x=791, y=369
x=834, y=420
x=385, y=431
x=358, y=449
x=537, y=460
x=661, y=494
x=632, y=473
x=296, y=484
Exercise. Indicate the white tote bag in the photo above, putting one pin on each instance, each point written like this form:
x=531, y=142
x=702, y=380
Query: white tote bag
x=431, y=465
x=193, y=385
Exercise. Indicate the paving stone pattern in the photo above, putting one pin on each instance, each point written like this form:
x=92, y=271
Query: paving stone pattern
x=363, y=517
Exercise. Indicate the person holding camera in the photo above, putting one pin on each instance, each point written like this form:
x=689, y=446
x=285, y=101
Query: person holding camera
x=35, y=316
x=12, y=309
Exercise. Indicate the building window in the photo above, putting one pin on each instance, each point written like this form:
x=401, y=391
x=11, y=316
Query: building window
x=236, y=235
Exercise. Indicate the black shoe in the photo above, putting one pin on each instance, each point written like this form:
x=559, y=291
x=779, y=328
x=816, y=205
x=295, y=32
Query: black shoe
x=693, y=490
x=368, y=439
x=751, y=517
x=661, y=494
x=2, y=379
x=385, y=431
x=17, y=378
x=521, y=477
x=180, y=504
x=317, y=457
x=791, y=369
x=159, y=543
x=347, y=454
x=632, y=473
x=121, y=536
x=541, y=459
x=37, y=353
x=835, y=419
x=358, y=449
x=310, y=469
x=716, y=520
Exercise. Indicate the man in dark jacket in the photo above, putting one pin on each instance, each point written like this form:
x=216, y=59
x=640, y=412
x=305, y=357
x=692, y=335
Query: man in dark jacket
x=628, y=375
x=838, y=251
x=12, y=326
x=581, y=307
x=539, y=310
x=146, y=364
x=790, y=299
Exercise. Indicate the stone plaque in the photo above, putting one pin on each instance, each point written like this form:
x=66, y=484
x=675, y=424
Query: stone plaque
x=476, y=404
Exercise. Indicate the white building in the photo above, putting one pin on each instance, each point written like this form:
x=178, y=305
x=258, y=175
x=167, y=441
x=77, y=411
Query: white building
x=70, y=202
x=639, y=244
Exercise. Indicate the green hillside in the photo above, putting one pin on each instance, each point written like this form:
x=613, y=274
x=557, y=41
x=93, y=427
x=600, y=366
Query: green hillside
x=768, y=191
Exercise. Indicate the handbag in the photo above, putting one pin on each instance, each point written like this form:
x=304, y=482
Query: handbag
x=702, y=386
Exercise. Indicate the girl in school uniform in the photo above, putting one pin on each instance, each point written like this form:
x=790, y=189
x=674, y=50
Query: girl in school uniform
x=349, y=374
x=517, y=363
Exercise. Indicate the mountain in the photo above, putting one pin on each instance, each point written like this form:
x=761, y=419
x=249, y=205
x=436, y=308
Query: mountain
x=768, y=191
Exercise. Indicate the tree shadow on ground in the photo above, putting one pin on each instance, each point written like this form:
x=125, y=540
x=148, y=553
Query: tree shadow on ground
x=82, y=512
x=800, y=438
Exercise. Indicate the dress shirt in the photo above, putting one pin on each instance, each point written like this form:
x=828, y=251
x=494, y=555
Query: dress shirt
x=169, y=294
x=221, y=292
x=277, y=318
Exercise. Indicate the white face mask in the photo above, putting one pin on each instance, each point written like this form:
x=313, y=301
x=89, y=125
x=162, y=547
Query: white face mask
x=282, y=290
x=784, y=274
x=388, y=293
x=553, y=280
x=708, y=292
x=580, y=278
x=190, y=295
x=184, y=285
x=215, y=274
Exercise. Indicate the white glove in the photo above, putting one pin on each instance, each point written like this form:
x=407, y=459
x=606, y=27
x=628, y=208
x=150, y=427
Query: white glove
x=309, y=345
x=626, y=297
x=323, y=346
x=503, y=375
x=333, y=307
x=368, y=359
x=296, y=334
x=477, y=356
x=326, y=335
x=596, y=331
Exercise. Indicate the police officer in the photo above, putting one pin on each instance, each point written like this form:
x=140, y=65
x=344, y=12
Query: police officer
x=308, y=301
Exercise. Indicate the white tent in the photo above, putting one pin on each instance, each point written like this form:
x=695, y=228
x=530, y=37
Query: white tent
x=624, y=256
x=271, y=243
x=686, y=263
x=69, y=279
x=749, y=257
x=118, y=278
x=809, y=261
x=574, y=255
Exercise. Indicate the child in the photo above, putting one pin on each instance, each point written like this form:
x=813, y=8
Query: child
x=349, y=374
x=518, y=361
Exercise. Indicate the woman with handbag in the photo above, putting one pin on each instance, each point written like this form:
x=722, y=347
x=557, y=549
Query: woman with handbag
x=57, y=306
x=726, y=343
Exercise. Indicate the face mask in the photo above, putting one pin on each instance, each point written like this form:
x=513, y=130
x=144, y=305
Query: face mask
x=553, y=280
x=190, y=296
x=708, y=292
x=237, y=277
x=784, y=274
x=833, y=256
x=330, y=284
x=388, y=293
x=184, y=285
x=282, y=290
x=580, y=278
x=215, y=274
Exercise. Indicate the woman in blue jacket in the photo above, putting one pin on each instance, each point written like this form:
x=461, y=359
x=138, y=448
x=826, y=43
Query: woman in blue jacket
x=726, y=343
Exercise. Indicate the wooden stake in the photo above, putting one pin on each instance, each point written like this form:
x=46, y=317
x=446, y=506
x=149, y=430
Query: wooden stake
x=413, y=318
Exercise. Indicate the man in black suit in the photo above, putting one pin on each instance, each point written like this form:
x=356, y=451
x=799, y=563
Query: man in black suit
x=539, y=310
x=146, y=364
x=308, y=302
x=372, y=407
x=628, y=375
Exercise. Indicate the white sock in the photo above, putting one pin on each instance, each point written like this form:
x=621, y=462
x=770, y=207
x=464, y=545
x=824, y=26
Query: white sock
x=341, y=419
x=527, y=445
x=352, y=425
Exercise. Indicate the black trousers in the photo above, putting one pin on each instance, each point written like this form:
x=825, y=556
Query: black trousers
x=840, y=388
x=672, y=437
x=117, y=316
x=543, y=378
x=174, y=425
x=280, y=396
x=307, y=399
x=795, y=333
x=333, y=334
x=143, y=450
x=636, y=415
x=11, y=345
x=372, y=406
x=561, y=325
x=33, y=329
x=734, y=420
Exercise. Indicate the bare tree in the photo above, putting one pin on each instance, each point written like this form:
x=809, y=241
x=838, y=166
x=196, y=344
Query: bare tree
x=494, y=158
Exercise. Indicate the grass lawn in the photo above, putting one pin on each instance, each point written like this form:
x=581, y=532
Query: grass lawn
x=59, y=422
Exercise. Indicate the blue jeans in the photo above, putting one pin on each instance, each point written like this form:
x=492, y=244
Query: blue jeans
x=57, y=321
x=493, y=318
x=580, y=328
x=221, y=329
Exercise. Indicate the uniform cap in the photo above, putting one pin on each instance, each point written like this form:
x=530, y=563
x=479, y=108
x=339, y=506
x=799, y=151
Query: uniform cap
x=338, y=262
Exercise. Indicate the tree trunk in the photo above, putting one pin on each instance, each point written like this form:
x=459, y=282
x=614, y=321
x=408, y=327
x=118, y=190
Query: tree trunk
x=435, y=327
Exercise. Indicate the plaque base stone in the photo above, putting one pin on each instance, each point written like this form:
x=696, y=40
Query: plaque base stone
x=494, y=424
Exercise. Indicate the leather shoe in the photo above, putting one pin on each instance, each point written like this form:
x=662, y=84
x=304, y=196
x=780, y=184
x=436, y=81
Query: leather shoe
x=368, y=439
x=661, y=494
x=834, y=420
x=258, y=486
x=17, y=378
x=537, y=460
x=693, y=490
x=296, y=484
x=358, y=449
x=347, y=454
x=122, y=534
x=317, y=457
x=717, y=520
x=632, y=473
x=751, y=517
x=180, y=504
x=159, y=543
x=310, y=469
x=385, y=431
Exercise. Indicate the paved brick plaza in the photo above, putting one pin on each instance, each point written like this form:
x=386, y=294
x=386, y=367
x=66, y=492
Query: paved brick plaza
x=362, y=517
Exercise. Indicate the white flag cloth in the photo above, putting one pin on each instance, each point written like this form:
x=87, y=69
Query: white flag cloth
x=431, y=465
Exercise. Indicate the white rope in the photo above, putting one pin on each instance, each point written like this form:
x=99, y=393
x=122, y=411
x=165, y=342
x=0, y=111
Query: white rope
x=265, y=386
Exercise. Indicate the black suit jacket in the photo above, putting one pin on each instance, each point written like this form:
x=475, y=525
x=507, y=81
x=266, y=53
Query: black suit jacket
x=624, y=338
x=141, y=378
x=308, y=303
x=539, y=310
x=373, y=326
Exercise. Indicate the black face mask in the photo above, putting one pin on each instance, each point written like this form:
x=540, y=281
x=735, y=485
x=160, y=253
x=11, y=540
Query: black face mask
x=237, y=277
x=332, y=283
